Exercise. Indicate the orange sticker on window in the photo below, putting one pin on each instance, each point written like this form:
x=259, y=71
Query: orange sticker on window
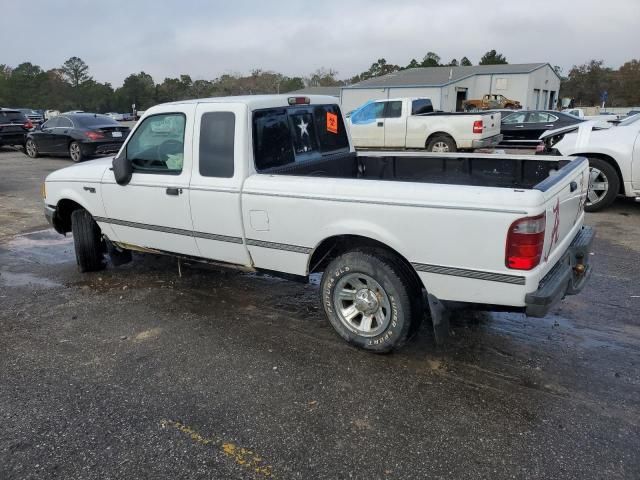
x=332, y=122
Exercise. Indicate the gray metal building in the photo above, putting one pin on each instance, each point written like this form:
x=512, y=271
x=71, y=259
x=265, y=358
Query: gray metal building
x=534, y=85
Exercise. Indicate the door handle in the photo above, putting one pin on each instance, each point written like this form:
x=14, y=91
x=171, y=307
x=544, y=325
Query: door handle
x=519, y=126
x=573, y=186
x=174, y=191
x=549, y=126
x=381, y=124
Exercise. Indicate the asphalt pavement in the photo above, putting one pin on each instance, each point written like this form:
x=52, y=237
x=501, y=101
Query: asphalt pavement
x=142, y=372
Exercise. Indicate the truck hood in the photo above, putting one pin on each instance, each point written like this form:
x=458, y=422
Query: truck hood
x=91, y=171
x=583, y=126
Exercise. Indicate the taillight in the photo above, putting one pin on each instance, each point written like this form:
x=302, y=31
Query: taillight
x=28, y=125
x=299, y=101
x=477, y=126
x=94, y=135
x=525, y=241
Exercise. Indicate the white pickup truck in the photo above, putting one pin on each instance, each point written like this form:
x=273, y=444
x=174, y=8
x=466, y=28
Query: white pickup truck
x=272, y=183
x=411, y=123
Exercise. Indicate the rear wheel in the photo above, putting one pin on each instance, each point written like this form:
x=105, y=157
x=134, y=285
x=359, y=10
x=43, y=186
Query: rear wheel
x=75, y=152
x=370, y=301
x=87, y=239
x=604, y=185
x=31, y=148
x=442, y=144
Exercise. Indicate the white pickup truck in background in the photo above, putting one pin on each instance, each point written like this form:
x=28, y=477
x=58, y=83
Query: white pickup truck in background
x=411, y=123
x=272, y=183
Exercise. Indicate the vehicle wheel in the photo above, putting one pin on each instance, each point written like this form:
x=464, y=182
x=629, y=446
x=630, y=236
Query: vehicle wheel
x=31, y=149
x=442, y=144
x=87, y=239
x=370, y=301
x=604, y=185
x=75, y=152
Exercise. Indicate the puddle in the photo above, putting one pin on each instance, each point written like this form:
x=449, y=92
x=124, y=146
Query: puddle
x=11, y=279
x=44, y=247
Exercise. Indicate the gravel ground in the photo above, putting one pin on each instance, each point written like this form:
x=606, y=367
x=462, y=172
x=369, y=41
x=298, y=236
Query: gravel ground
x=137, y=372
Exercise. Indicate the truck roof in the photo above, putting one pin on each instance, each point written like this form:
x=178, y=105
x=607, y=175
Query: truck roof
x=255, y=102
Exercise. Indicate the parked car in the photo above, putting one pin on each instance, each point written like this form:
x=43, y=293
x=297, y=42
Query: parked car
x=271, y=183
x=411, y=123
x=118, y=117
x=78, y=136
x=33, y=115
x=14, y=126
x=524, y=128
x=614, y=157
x=491, y=102
x=128, y=117
x=602, y=116
x=48, y=114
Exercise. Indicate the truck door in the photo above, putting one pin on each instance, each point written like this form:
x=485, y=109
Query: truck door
x=152, y=210
x=219, y=142
x=367, y=125
x=395, y=124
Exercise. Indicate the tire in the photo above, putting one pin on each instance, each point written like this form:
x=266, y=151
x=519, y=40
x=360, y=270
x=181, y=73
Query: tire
x=87, y=239
x=75, y=152
x=370, y=300
x=604, y=177
x=31, y=149
x=442, y=144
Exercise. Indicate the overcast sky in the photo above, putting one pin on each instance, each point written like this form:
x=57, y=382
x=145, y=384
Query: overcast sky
x=295, y=37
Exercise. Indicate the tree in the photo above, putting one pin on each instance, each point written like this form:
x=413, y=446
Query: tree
x=138, y=89
x=413, y=64
x=323, y=77
x=431, y=59
x=76, y=71
x=291, y=84
x=585, y=83
x=627, y=85
x=493, y=58
x=453, y=63
x=465, y=62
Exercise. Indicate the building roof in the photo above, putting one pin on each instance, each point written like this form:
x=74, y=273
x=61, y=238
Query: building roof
x=333, y=91
x=440, y=76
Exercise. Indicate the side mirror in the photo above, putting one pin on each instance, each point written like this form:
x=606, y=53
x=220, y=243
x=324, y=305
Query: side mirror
x=122, y=170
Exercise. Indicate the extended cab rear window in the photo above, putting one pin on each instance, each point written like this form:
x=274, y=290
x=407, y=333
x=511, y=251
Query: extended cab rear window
x=283, y=136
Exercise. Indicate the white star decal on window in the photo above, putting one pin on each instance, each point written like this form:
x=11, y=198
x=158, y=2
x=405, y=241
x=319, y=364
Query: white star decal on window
x=303, y=128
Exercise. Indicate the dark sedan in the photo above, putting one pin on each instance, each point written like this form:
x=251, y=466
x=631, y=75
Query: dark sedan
x=525, y=127
x=14, y=126
x=78, y=136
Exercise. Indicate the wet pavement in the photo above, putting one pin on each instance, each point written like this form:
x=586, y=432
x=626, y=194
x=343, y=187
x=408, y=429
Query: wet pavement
x=138, y=372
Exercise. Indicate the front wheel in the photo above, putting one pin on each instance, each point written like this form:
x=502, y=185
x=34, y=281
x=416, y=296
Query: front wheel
x=604, y=185
x=75, y=152
x=87, y=239
x=31, y=148
x=369, y=300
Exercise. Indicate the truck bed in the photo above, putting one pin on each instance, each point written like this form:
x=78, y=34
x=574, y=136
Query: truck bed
x=487, y=170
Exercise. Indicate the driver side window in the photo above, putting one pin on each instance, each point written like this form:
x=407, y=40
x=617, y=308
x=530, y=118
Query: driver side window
x=157, y=146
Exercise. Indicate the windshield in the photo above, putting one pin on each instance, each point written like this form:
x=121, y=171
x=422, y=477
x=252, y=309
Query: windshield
x=630, y=120
x=11, y=116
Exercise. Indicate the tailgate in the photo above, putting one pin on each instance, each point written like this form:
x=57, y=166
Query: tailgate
x=490, y=124
x=565, y=194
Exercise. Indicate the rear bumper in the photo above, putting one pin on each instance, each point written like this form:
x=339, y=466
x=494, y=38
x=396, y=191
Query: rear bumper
x=487, y=142
x=101, y=148
x=564, y=278
x=13, y=139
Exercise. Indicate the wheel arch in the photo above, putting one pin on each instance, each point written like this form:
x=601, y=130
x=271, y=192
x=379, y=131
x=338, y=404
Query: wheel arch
x=440, y=133
x=62, y=218
x=333, y=246
x=610, y=160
